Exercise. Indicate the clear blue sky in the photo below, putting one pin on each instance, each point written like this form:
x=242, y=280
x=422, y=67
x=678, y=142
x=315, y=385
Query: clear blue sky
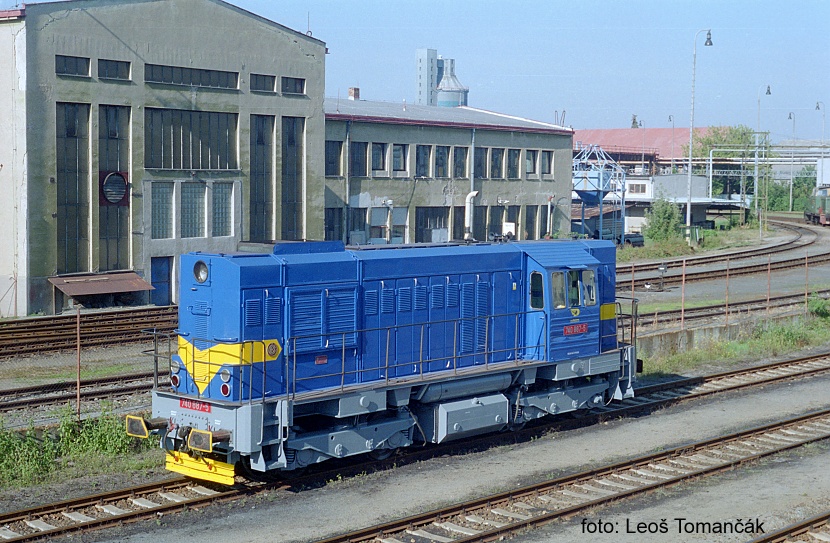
x=601, y=61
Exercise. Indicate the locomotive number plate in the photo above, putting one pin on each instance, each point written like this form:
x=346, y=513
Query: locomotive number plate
x=194, y=405
x=573, y=329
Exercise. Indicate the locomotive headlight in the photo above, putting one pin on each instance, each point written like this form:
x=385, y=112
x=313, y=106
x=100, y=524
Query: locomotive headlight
x=175, y=366
x=200, y=272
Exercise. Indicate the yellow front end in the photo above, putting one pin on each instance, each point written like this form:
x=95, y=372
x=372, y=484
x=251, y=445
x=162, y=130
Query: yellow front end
x=206, y=469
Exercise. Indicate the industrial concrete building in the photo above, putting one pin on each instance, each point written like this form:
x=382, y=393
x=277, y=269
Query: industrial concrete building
x=128, y=138
x=437, y=84
x=398, y=173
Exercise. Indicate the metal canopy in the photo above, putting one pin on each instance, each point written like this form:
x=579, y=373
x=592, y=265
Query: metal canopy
x=100, y=283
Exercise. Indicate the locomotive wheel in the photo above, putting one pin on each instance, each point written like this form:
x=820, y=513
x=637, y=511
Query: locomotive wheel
x=381, y=454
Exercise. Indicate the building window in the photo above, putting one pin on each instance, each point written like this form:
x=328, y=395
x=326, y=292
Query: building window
x=261, y=194
x=189, y=140
x=480, y=163
x=357, y=158
x=459, y=162
x=334, y=223
x=72, y=153
x=66, y=65
x=113, y=69
x=190, y=77
x=531, y=155
x=496, y=163
x=422, y=154
x=113, y=208
x=399, y=152
x=293, y=154
x=193, y=210
x=222, y=209
x=333, y=153
x=378, y=156
x=162, y=210
x=442, y=161
x=263, y=83
x=513, y=163
x=530, y=222
x=293, y=85
x=431, y=224
x=547, y=162
x=378, y=224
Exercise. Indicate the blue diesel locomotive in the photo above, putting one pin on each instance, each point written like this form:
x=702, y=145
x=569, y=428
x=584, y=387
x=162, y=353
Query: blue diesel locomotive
x=316, y=351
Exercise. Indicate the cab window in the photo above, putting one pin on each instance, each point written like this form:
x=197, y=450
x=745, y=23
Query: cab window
x=589, y=287
x=537, y=291
x=573, y=288
x=557, y=280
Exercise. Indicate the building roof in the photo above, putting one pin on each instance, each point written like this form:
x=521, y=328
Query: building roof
x=654, y=141
x=341, y=109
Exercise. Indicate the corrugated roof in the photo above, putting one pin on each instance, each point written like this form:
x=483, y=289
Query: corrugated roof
x=653, y=140
x=103, y=283
x=459, y=117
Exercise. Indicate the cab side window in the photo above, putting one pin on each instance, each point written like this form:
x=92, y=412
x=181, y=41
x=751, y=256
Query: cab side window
x=573, y=288
x=589, y=286
x=537, y=291
x=557, y=280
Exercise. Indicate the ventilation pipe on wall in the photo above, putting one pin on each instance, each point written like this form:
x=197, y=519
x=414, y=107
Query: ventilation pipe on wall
x=468, y=215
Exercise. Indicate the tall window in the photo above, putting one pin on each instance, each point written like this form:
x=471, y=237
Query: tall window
x=358, y=158
x=547, y=162
x=293, y=133
x=459, y=162
x=496, y=163
x=113, y=208
x=442, y=161
x=162, y=210
x=334, y=150
x=480, y=163
x=378, y=156
x=193, y=210
x=530, y=222
x=189, y=140
x=222, y=209
x=399, y=155
x=531, y=155
x=334, y=223
x=262, y=178
x=422, y=154
x=72, y=153
x=513, y=163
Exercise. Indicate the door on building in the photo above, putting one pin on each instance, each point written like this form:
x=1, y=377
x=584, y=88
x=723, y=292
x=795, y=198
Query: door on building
x=160, y=268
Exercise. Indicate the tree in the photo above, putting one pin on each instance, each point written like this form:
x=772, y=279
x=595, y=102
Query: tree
x=663, y=221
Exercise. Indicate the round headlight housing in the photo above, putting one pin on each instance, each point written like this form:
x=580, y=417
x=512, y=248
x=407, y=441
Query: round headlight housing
x=200, y=272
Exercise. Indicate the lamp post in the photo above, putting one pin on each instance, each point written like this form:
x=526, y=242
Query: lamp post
x=671, y=120
x=820, y=103
x=792, y=161
x=757, y=135
x=692, y=133
x=643, y=156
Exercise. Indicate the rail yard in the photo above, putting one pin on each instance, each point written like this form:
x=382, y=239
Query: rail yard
x=433, y=478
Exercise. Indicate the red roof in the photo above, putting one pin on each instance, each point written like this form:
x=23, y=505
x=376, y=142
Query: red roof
x=652, y=140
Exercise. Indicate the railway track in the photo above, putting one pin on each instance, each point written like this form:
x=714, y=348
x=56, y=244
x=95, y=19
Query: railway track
x=815, y=529
x=39, y=335
x=150, y=501
x=501, y=515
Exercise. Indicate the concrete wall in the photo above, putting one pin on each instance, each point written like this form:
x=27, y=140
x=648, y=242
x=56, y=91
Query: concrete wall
x=13, y=175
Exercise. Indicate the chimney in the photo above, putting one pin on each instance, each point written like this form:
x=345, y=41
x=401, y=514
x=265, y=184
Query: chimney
x=354, y=93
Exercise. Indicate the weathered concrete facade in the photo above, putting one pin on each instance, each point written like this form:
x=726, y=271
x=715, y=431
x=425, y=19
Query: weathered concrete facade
x=529, y=186
x=87, y=82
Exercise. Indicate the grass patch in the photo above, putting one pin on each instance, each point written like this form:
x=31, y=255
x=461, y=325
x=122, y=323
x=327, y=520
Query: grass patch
x=765, y=340
x=96, y=445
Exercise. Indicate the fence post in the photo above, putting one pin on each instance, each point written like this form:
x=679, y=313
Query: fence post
x=78, y=339
x=727, y=296
x=683, y=297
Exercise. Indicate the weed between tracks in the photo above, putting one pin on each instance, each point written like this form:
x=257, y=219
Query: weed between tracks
x=96, y=445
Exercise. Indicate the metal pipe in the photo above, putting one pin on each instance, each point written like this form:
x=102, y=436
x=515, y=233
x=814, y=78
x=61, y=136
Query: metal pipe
x=468, y=215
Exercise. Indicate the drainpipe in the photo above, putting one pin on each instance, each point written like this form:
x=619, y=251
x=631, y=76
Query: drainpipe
x=468, y=215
